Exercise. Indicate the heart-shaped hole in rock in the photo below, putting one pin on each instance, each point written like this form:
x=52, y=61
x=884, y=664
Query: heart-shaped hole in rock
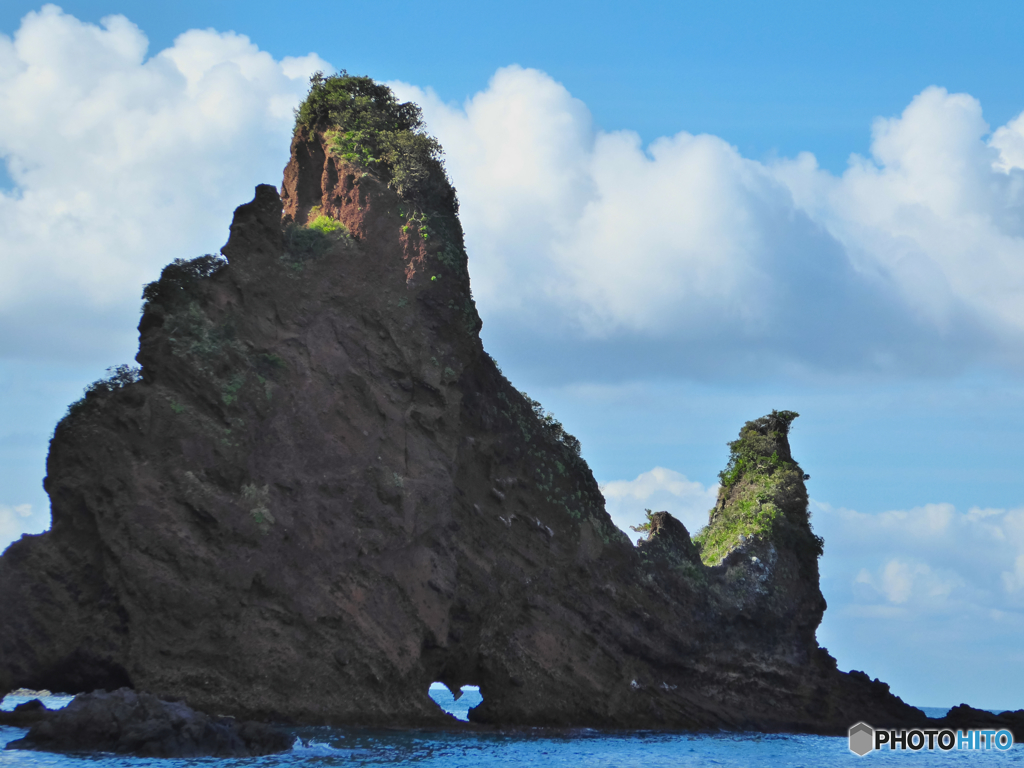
x=457, y=706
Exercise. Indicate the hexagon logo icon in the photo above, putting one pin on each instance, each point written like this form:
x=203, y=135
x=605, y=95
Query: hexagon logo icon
x=862, y=739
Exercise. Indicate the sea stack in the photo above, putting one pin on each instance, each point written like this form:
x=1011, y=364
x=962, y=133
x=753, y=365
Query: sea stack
x=320, y=494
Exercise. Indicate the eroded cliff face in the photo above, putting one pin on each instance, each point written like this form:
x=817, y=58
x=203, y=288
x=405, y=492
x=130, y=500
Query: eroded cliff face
x=323, y=494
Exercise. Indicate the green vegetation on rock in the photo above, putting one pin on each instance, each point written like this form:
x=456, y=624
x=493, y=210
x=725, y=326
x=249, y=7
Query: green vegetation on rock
x=257, y=499
x=178, y=280
x=366, y=124
x=551, y=426
x=762, y=493
x=312, y=241
x=363, y=124
x=116, y=378
x=644, y=527
x=757, y=449
x=327, y=225
x=179, y=303
x=191, y=333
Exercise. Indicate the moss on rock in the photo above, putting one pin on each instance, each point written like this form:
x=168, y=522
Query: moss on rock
x=762, y=494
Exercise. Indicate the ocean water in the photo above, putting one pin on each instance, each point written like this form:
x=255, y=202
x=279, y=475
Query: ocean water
x=325, y=747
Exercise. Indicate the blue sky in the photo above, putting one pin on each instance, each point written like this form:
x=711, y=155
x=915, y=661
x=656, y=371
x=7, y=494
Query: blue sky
x=679, y=217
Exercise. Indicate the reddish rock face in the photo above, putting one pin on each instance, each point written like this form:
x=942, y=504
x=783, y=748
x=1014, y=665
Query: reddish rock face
x=323, y=495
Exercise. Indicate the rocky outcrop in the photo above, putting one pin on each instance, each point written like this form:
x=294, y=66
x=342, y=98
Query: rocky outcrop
x=25, y=715
x=321, y=495
x=126, y=722
x=963, y=717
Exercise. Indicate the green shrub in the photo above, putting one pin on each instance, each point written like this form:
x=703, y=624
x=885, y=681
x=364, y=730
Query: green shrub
x=644, y=527
x=552, y=427
x=229, y=389
x=355, y=103
x=454, y=258
x=366, y=124
x=179, y=278
x=415, y=162
x=258, y=501
x=305, y=243
x=191, y=333
x=327, y=225
x=758, y=446
x=270, y=363
x=117, y=377
x=313, y=240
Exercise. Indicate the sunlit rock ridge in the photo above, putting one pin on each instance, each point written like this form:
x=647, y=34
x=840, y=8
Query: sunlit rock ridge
x=319, y=494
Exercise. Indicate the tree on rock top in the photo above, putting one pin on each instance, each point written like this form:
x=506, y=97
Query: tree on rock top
x=760, y=439
x=365, y=124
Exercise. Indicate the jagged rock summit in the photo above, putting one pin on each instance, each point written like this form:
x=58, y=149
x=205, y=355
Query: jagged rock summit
x=320, y=494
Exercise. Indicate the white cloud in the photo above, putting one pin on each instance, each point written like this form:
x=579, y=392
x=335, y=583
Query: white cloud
x=899, y=581
x=678, y=256
x=909, y=259
x=1009, y=141
x=18, y=519
x=123, y=163
x=1014, y=580
x=935, y=211
x=932, y=557
x=625, y=238
x=659, y=490
x=918, y=591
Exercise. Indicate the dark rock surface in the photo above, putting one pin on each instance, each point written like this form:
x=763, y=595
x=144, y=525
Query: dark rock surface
x=964, y=717
x=25, y=715
x=127, y=722
x=323, y=495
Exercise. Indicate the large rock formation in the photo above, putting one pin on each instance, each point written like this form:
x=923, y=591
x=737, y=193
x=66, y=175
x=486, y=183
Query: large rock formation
x=322, y=494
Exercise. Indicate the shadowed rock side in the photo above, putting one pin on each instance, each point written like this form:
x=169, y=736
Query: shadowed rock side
x=322, y=495
x=127, y=722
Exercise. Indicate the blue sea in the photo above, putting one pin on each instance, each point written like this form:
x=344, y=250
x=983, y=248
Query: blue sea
x=647, y=749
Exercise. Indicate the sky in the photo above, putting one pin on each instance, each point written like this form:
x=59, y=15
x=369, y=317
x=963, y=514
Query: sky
x=679, y=217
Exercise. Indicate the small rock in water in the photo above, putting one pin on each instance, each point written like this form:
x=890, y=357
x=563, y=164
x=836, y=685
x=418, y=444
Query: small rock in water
x=128, y=722
x=25, y=715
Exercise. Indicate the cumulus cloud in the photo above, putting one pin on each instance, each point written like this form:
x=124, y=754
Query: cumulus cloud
x=911, y=259
x=681, y=256
x=930, y=599
x=935, y=211
x=1013, y=579
x=659, y=490
x=899, y=581
x=121, y=162
x=19, y=519
x=933, y=555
